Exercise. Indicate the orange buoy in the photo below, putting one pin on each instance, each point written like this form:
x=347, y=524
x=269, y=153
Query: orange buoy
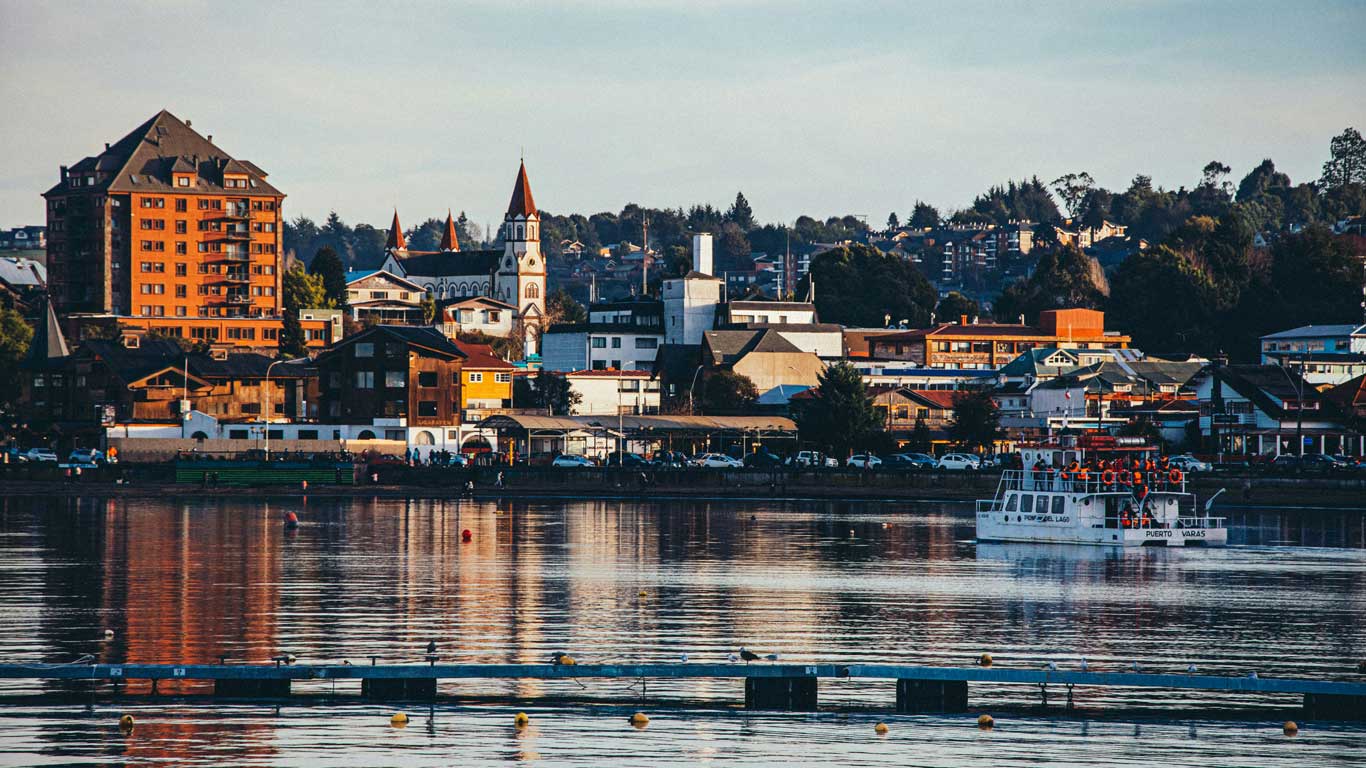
x=1290, y=728
x=466, y=535
x=986, y=722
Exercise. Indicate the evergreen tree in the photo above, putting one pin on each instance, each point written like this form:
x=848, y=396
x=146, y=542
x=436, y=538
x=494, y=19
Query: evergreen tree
x=1347, y=164
x=15, y=336
x=740, y=213
x=892, y=221
x=560, y=307
x=292, y=342
x=328, y=266
x=954, y=306
x=1064, y=278
x=861, y=286
x=924, y=216
x=921, y=441
x=727, y=392
x=840, y=415
x=976, y=420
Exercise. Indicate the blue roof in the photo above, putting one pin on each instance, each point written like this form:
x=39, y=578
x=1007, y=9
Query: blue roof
x=359, y=274
x=954, y=372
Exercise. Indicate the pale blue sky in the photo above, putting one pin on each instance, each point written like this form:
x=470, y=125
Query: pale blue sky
x=809, y=107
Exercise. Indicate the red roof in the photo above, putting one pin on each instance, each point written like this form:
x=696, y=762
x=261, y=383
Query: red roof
x=481, y=356
x=395, y=241
x=522, y=204
x=612, y=373
x=940, y=398
x=449, y=242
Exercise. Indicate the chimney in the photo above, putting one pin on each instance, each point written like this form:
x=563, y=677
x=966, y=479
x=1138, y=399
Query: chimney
x=188, y=123
x=962, y=319
x=106, y=146
x=701, y=252
x=210, y=138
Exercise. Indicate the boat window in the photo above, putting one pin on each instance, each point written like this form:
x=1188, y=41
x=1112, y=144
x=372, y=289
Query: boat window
x=1057, y=505
x=1025, y=502
x=1010, y=503
x=1041, y=506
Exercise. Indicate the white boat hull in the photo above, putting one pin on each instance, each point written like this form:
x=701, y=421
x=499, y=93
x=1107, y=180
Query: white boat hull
x=991, y=527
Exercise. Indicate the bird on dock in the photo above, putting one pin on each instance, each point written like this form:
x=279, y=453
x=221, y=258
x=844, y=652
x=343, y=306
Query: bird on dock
x=1083, y=663
x=109, y=634
x=1051, y=666
x=1252, y=675
x=431, y=647
x=283, y=658
x=749, y=655
x=1190, y=669
x=732, y=658
x=562, y=659
x=771, y=656
x=683, y=657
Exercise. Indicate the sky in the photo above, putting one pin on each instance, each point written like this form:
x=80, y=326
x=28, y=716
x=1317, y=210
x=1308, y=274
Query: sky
x=823, y=107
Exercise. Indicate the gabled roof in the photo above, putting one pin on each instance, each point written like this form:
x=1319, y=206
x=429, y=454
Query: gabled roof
x=934, y=398
x=481, y=357
x=677, y=362
x=454, y=263
x=48, y=343
x=426, y=338
x=142, y=161
x=449, y=242
x=1268, y=386
x=19, y=272
x=1349, y=396
x=1319, y=332
x=522, y=203
x=477, y=300
x=729, y=347
x=356, y=276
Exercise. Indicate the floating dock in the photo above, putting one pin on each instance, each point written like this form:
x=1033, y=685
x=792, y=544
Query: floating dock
x=773, y=686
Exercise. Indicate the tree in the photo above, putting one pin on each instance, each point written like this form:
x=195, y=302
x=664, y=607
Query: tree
x=1064, y=278
x=560, y=307
x=1166, y=302
x=840, y=415
x=740, y=213
x=327, y=265
x=859, y=285
x=300, y=290
x=1347, y=163
x=549, y=391
x=921, y=439
x=1319, y=278
x=892, y=221
x=727, y=392
x=428, y=308
x=292, y=342
x=732, y=246
x=1261, y=180
x=976, y=420
x=923, y=216
x=1213, y=174
x=954, y=306
x=15, y=336
x=1072, y=189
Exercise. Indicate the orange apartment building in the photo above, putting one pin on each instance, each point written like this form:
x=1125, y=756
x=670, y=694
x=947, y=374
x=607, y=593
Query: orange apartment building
x=165, y=231
x=987, y=346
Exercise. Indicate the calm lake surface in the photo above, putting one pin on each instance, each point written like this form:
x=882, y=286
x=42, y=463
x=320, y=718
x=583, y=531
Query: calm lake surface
x=190, y=580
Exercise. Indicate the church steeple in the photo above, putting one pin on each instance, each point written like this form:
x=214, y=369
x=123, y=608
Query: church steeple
x=449, y=242
x=522, y=203
x=396, y=241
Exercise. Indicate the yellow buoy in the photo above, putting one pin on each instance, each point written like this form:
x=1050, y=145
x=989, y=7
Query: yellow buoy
x=984, y=660
x=1291, y=728
x=986, y=722
x=399, y=720
x=521, y=720
x=881, y=729
x=643, y=593
x=639, y=720
x=568, y=661
x=126, y=722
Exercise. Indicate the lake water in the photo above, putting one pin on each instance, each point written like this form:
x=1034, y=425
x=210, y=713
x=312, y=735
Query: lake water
x=191, y=580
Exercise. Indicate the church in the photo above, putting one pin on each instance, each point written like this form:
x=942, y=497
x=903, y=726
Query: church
x=514, y=275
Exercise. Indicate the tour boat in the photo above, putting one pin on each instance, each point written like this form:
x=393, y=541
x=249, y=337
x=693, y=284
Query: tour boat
x=1098, y=508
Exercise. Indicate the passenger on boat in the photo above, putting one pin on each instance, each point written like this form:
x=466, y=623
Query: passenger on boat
x=1147, y=518
x=1036, y=475
x=1126, y=517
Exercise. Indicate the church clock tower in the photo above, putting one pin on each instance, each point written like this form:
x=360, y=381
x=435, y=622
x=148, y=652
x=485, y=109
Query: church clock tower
x=521, y=274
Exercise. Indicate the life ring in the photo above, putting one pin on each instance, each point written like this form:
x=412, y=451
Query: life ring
x=1108, y=477
x=1174, y=475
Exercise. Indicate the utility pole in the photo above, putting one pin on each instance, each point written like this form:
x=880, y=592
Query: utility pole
x=1299, y=411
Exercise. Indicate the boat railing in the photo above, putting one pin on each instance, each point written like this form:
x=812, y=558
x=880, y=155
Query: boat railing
x=1091, y=481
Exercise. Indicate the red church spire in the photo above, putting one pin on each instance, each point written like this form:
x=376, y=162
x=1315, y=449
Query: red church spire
x=395, y=241
x=522, y=204
x=449, y=242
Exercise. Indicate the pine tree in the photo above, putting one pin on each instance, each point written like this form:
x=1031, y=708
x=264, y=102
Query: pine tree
x=327, y=265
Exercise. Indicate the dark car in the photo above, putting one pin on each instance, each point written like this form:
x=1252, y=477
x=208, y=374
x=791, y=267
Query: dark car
x=910, y=461
x=670, y=460
x=615, y=459
x=762, y=460
x=1308, y=464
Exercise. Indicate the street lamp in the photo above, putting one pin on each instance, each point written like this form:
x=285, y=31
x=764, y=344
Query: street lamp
x=691, y=387
x=265, y=406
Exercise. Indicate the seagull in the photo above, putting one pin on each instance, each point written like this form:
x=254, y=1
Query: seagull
x=1190, y=670
x=109, y=634
x=683, y=657
x=1252, y=675
x=431, y=647
x=1051, y=666
x=283, y=658
x=771, y=657
x=1133, y=665
x=749, y=655
x=1083, y=663
x=558, y=657
x=732, y=658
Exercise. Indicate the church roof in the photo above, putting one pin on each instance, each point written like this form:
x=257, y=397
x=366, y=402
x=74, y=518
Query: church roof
x=395, y=241
x=48, y=342
x=449, y=242
x=522, y=203
x=448, y=263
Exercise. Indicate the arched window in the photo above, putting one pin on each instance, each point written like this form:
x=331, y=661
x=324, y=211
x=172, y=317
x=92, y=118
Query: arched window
x=484, y=289
x=365, y=434
x=424, y=438
x=464, y=290
x=519, y=231
x=431, y=289
x=199, y=436
x=532, y=291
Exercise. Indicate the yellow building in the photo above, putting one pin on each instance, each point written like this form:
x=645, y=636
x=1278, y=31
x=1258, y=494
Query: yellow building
x=487, y=380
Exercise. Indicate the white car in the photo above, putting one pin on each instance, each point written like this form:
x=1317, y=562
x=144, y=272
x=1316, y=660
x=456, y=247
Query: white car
x=864, y=461
x=42, y=454
x=1189, y=464
x=570, y=460
x=959, y=461
x=812, y=459
x=719, y=461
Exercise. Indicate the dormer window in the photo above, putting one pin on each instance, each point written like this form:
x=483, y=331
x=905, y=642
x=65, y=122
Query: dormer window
x=182, y=179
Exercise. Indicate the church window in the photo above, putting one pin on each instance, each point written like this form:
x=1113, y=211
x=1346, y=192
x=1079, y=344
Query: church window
x=519, y=232
x=532, y=291
x=464, y=290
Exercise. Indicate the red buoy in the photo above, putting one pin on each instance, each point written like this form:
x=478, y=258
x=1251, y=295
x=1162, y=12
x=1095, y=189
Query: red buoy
x=291, y=520
x=466, y=535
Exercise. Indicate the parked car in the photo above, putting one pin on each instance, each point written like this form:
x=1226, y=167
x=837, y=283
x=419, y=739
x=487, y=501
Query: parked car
x=958, y=462
x=615, y=459
x=571, y=460
x=42, y=454
x=1189, y=464
x=1310, y=463
x=719, y=461
x=89, y=456
x=670, y=460
x=911, y=461
x=812, y=459
x=762, y=460
x=16, y=456
x=864, y=461
x=386, y=460
x=1350, y=463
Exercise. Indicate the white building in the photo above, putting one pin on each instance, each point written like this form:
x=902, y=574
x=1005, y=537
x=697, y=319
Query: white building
x=480, y=314
x=614, y=392
x=690, y=301
x=1327, y=355
x=621, y=335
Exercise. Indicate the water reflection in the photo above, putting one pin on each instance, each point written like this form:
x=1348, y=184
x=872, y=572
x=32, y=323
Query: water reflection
x=193, y=580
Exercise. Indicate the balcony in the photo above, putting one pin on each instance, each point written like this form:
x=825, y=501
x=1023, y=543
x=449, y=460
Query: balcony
x=235, y=233
x=235, y=277
x=238, y=298
x=230, y=256
x=236, y=213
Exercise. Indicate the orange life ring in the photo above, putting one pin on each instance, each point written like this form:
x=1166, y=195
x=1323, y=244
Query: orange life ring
x=1174, y=475
x=1108, y=477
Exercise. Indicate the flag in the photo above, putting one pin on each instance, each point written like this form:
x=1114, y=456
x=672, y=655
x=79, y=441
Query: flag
x=1067, y=394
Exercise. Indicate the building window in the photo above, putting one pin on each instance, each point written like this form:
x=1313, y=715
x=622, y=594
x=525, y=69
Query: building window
x=365, y=349
x=616, y=342
x=426, y=379
x=395, y=379
x=643, y=342
x=181, y=205
x=598, y=342
x=533, y=291
x=503, y=378
x=182, y=181
x=476, y=378
x=426, y=408
x=365, y=379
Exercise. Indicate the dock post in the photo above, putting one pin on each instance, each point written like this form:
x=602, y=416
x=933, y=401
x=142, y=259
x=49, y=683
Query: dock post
x=398, y=688
x=1335, y=706
x=247, y=688
x=931, y=696
x=791, y=694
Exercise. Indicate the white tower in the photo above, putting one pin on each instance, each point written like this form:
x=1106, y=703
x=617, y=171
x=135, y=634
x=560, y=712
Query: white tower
x=521, y=274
